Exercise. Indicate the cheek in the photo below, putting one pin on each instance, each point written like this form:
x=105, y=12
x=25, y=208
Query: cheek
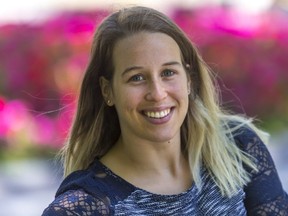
x=180, y=89
x=127, y=98
x=180, y=93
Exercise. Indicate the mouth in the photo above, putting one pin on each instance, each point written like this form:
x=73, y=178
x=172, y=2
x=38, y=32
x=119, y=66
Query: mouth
x=157, y=114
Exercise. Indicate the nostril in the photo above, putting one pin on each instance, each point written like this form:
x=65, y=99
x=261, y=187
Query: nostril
x=156, y=92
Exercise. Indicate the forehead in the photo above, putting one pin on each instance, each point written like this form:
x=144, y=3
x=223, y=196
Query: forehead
x=145, y=48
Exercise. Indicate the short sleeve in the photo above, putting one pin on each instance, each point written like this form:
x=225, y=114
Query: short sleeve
x=264, y=194
x=76, y=203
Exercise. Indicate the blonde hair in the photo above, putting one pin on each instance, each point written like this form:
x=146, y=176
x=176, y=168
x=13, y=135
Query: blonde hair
x=206, y=134
x=209, y=132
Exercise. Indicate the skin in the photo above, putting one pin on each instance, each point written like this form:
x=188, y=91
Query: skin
x=150, y=91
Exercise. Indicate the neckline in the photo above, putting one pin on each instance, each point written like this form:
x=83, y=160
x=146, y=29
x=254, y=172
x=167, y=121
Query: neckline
x=108, y=171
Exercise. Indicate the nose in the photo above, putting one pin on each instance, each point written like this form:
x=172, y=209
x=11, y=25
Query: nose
x=156, y=91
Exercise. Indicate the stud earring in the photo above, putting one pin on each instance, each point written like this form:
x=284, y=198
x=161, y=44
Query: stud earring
x=108, y=102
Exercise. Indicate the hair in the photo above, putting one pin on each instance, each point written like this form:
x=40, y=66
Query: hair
x=206, y=135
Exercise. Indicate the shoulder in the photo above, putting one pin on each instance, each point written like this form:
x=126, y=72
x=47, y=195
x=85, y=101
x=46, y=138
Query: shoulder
x=80, y=193
x=93, y=190
x=93, y=180
x=249, y=139
x=250, y=142
x=264, y=192
x=77, y=202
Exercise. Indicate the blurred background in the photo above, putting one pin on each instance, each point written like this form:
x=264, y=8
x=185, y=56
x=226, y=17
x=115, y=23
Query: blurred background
x=44, y=49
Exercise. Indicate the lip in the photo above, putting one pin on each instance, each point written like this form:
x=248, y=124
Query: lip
x=158, y=120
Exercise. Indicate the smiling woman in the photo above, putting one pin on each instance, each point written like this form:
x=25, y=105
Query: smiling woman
x=150, y=138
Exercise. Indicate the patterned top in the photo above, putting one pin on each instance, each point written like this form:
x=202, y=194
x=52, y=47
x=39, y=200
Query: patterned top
x=99, y=191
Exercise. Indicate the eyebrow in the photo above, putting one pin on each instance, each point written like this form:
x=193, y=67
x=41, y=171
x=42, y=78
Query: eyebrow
x=140, y=67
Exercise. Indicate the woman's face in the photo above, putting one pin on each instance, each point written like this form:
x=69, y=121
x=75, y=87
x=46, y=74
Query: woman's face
x=149, y=88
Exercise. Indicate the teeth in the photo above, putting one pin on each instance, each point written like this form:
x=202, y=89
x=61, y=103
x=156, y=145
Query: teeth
x=158, y=115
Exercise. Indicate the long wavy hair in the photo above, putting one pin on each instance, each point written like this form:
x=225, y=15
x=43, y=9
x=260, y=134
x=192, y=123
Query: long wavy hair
x=206, y=136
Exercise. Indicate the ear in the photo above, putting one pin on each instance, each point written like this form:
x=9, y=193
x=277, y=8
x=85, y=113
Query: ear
x=106, y=90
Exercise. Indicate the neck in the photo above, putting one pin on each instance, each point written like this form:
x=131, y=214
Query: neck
x=150, y=155
x=145, y=163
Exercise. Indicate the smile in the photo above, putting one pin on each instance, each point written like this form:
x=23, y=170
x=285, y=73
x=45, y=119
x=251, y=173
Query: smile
x=158, y=114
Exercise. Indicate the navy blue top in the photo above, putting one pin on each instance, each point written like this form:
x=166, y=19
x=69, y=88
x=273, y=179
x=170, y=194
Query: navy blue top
x=99, y=191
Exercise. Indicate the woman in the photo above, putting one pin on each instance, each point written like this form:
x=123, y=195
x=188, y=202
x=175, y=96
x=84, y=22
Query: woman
x=149, y=136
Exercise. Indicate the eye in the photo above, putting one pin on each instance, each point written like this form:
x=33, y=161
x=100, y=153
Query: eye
x=167, y=73
x=136, y=78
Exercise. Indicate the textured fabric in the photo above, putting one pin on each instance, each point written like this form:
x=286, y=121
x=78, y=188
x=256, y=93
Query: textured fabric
x=192, y=202
x=264, y=194
x=98, y=191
